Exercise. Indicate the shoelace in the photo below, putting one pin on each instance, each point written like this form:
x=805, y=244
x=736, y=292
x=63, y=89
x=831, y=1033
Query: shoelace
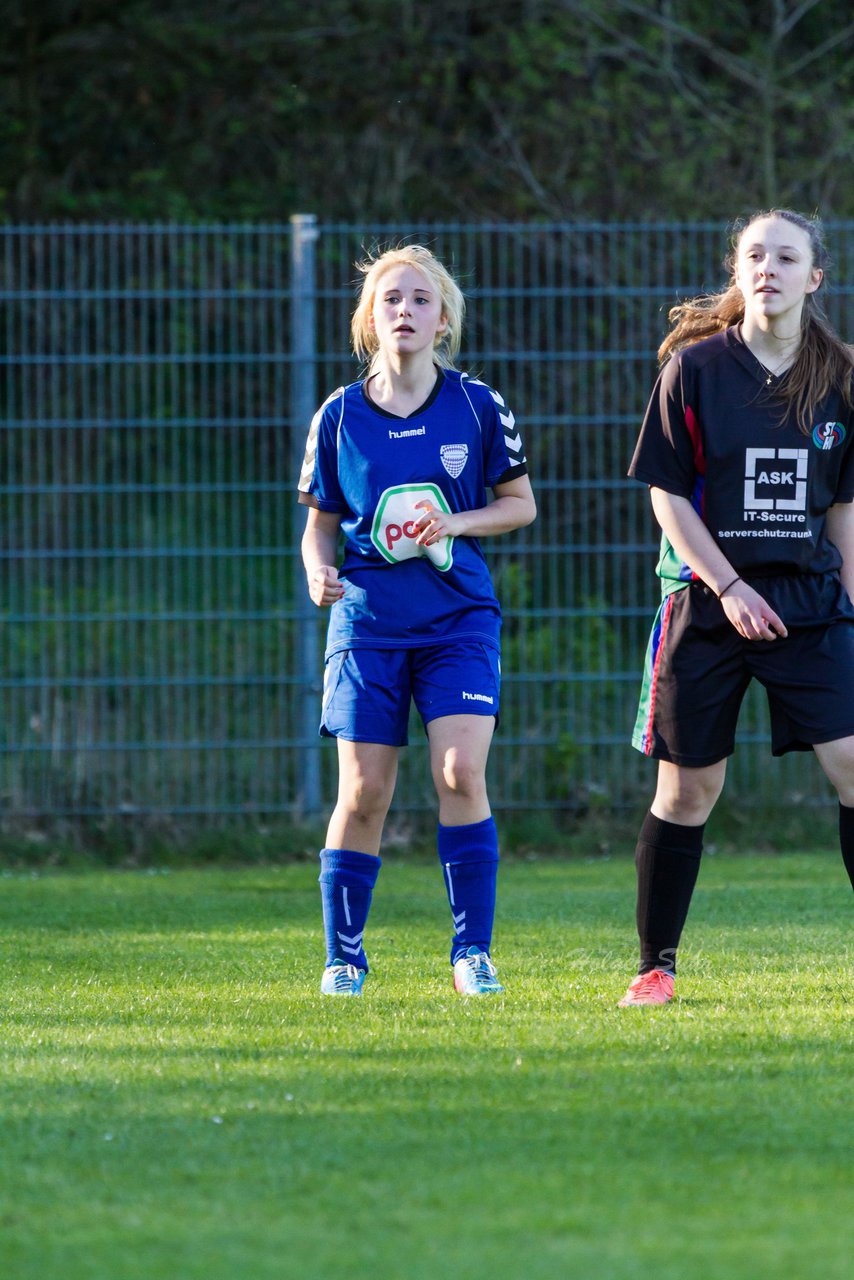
x=652, y=982
x=482, y=968
x=346, y=975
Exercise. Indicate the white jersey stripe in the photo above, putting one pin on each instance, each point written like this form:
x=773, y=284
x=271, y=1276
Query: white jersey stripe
x=307, y=472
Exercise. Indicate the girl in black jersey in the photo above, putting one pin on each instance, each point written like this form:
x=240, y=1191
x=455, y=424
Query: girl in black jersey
x=748, y=449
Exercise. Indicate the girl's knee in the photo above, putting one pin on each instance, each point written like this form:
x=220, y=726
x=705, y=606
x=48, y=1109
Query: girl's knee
x=364, y=795
x=837, y=761
x=462, y=777
x=687, y=796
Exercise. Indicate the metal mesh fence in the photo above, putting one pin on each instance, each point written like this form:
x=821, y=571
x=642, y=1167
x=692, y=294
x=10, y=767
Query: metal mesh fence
x=159, y=654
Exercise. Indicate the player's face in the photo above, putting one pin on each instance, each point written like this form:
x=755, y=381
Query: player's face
x=407, y=312
x=774, y=269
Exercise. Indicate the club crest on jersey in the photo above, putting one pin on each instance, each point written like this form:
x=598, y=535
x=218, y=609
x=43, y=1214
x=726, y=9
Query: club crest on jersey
x=826, y=435
x=393, y=532
x=454, y=458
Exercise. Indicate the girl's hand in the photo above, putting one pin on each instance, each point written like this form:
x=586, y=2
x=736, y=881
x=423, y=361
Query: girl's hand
x=324, y=587
x=435, y=524
x=750, y=614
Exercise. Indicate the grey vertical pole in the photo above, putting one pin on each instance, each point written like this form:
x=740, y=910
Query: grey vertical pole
x=304, y=234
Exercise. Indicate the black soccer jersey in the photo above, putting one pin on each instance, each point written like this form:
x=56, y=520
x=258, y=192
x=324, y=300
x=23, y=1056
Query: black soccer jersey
x=716, y=434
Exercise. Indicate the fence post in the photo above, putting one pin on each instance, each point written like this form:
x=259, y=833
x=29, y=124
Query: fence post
x=304, y=234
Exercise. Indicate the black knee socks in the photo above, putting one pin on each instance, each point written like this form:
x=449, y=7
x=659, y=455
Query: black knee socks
x=668, y=861
x=667, y=858
x=846, y=839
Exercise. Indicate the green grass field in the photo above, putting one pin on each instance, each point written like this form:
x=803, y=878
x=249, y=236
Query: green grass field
x=178, y=1101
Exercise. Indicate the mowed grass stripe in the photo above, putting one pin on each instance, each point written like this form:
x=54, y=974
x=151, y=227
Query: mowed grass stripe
x=177, y=1100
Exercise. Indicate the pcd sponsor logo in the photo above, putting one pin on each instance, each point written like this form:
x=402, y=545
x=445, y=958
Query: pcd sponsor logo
x=394, y=531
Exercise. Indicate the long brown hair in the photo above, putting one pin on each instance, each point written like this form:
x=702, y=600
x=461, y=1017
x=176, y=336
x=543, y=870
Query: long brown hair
x=823, y=363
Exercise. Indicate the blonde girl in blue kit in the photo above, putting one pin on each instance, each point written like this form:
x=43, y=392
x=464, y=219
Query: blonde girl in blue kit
x=400, y=463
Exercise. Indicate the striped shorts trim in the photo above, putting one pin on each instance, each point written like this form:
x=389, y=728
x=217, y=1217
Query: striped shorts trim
x=642, y=737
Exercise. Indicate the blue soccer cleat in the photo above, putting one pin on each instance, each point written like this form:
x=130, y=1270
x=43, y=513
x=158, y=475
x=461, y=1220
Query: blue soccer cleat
x=475, y=975
x=342, y=980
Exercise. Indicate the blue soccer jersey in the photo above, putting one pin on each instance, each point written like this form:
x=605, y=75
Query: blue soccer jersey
x=373, y=468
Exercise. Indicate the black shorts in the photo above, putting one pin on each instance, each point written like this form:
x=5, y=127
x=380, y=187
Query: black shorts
x=698, y=669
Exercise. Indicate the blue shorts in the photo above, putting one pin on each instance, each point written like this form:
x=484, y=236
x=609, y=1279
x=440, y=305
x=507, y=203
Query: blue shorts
x=367, y=692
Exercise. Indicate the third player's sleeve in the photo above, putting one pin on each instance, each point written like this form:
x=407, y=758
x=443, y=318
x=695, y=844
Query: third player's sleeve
x=845, y=487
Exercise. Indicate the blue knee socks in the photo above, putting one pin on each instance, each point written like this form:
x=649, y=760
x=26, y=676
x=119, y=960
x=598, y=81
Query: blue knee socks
x=469, y=858
x=347, y=880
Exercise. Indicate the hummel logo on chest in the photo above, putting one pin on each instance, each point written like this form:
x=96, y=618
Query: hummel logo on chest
x=406, y=435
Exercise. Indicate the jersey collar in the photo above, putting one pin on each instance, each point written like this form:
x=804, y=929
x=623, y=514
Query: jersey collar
x=437, y=387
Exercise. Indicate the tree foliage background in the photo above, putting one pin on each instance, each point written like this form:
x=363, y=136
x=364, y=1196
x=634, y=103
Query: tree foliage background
x=381, y=110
